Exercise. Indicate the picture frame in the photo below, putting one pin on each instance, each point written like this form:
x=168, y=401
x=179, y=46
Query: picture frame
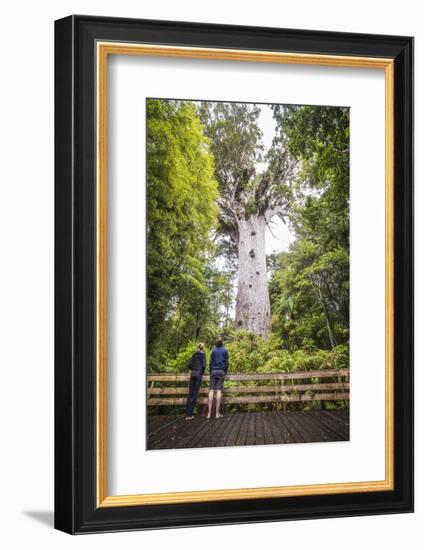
x=83, y=45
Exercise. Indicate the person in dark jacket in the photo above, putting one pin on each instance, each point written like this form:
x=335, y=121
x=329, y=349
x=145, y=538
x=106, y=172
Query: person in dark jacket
x=197, y=366
x=218, y=367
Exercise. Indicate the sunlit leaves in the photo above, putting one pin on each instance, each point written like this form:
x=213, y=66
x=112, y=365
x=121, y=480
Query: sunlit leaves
x=181, y=213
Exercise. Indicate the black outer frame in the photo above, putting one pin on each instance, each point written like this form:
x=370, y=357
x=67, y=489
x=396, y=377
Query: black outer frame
x=75, y=274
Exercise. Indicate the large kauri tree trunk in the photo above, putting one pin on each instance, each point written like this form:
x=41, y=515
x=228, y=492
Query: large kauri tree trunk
x=253, y=311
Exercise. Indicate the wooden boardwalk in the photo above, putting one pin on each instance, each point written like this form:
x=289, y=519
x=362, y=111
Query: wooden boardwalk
x=237, y=429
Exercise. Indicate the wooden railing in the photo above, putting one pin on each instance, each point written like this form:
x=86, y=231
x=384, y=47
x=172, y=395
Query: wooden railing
x=265, y=388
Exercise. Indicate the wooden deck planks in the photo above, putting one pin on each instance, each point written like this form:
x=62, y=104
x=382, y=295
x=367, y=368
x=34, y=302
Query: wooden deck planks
x=288, y=421
x=285, y=435
x=242, y=435
x=239, y=429
x=277, y=435
x=217, y=430
x=259, y=435
x=315, y=429
x=251, y=429
x=234, y=431
x=165, y=438
x=267, y=423
x=341, y=419
x=331, y=426
x=195, y=432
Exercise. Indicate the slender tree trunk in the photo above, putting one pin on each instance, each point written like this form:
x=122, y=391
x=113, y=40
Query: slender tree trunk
x=321, y=300
x=253, y=311
x=197, y=327
x=177, y=339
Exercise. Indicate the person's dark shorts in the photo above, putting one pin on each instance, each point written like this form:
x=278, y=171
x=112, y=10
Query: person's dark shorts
x=217, y=379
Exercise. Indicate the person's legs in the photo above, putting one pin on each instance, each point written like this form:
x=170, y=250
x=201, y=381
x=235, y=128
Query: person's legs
x=196, y=391
x=189, y=398
x=220, y=375
x=192, y=395
x=211, y=392
x=218, y=403
x=210, y=401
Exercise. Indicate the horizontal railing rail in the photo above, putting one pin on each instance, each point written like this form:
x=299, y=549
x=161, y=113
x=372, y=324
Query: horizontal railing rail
x=260, y=376
x=280, y=388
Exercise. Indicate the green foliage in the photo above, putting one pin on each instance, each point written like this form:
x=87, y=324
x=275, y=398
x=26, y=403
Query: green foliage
x=319, y=138
x=310, y=296
x=180, y=361
x=181, y=213
x=252, y=353
x=309, y=288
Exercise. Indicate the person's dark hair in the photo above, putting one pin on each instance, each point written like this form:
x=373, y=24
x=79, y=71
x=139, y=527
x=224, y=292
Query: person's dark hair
x=219, y=343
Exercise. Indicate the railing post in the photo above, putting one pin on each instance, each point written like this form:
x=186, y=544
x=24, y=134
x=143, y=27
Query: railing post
x=339, y=379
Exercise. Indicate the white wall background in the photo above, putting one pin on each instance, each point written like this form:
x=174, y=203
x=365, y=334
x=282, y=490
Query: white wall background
x=26, y=274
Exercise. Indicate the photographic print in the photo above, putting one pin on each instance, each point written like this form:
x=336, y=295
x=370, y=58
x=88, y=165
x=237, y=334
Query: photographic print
x=247, y=274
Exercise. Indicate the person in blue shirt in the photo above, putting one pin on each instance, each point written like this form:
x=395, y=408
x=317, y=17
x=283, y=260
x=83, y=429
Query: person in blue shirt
x=197, y=365
x=218, y=367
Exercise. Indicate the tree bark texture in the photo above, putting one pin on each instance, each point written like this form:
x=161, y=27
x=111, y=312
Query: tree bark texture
x=253, y=311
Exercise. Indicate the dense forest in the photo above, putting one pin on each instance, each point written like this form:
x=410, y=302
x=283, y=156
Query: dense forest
x=212, y=192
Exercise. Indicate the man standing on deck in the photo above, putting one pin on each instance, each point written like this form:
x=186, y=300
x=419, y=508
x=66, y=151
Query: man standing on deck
x=218, y=367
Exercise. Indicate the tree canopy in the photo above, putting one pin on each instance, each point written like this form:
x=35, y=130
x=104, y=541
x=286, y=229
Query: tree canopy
x=236, y=143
